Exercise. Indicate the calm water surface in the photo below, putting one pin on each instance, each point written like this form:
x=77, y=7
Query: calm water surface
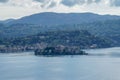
x=94, y=67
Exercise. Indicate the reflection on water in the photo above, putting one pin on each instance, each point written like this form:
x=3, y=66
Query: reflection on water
x=31, y=67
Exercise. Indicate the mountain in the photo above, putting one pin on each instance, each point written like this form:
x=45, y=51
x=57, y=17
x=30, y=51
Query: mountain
x=101, y=28
x=50, y=18
x=106, y=26
x=6, y=21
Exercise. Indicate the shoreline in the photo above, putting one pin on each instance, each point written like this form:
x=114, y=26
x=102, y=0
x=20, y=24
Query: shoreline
x=104, y=52
x=14, y=52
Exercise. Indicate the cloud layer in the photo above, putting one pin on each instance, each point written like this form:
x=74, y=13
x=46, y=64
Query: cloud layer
x=115, y=3
x=3, y=1
x=69, y=3
x=19, y=8
x=78, y=2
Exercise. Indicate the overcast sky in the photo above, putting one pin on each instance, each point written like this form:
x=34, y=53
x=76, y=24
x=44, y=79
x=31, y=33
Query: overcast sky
x=18, y=8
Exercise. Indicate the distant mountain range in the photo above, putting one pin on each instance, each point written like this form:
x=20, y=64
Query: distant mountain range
x=50, y=18
x=105, y=26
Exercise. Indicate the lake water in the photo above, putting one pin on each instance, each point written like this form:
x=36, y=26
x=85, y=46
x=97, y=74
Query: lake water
x=102, y=64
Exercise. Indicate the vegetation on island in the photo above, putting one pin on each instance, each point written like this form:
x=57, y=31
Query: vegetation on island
x=60, y=50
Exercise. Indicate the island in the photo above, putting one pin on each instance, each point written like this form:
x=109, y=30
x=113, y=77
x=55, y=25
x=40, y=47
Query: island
x=59, y=51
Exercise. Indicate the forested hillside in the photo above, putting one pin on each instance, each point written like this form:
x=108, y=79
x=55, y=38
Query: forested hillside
x=104, y=26
x=78, y=38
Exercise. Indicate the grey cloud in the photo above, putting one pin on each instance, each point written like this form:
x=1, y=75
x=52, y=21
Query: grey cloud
x=3, y=1
x=52, y=4
x=72, y=2
x=89, y=1
x=115, y=3
x=97, y=1
x=92, y=1
x=47, y=3
x=78, y=2
x=42, y=1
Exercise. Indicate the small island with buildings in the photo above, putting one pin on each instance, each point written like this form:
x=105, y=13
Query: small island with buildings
x=59, y=51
